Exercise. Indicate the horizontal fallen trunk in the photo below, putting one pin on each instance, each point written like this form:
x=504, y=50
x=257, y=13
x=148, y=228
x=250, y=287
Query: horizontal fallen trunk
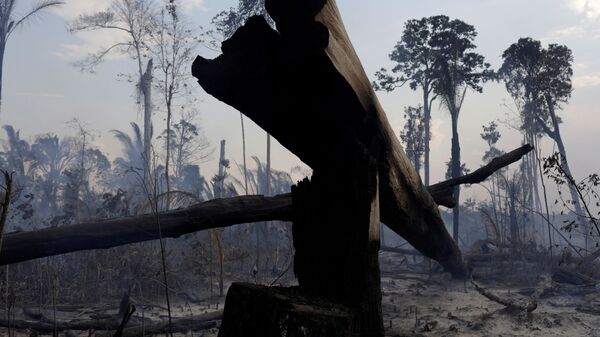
x=23, y=246
x=404, y=251
x=589, y=309
x=160, y=329
x=180, y=324
x=566, y=276
x=515, y=304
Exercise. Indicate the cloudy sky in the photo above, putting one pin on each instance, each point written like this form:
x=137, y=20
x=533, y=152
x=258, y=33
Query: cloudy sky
x=43, y=90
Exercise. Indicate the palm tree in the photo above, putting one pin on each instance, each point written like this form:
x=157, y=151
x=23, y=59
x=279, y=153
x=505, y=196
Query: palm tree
x=16, y=150
x=132, y=148
x=9, y=22
x=50, y=156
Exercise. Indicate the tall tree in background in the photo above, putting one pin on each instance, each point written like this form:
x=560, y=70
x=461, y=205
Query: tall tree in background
x=9, y=22
x=414, y=57
x=520, y=70
x=456, y=69
x=413, y=135
x=539, y=80
x=136, y=18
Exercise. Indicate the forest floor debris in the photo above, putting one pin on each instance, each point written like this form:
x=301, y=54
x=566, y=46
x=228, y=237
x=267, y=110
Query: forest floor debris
x=415, y=304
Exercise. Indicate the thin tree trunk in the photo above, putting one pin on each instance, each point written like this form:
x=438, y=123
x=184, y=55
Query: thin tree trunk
x=546, y=204
x=427, y=120
x=216, y=231
x=514, y=226
x=268, y=171
x=2, y=48
x=455, y=173
x=168, y=154
x=563, y=154
x=146, y=85
x=244, y=154
x=220, y=185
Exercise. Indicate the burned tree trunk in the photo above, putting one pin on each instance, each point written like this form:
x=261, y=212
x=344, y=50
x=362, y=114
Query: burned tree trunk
x=23, y=246
x=337, y=240
x=307, y=73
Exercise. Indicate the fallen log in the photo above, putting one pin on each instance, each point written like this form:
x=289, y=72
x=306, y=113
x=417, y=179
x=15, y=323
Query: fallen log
x=23, y=246
x=180, y=324
x=514, y=304
x=399, y=250
x=28, y=245
x=566, y=276
x=566, y=290
x=589, y=309
x=161, y=328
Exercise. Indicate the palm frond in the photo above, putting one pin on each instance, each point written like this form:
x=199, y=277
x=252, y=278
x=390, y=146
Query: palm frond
x=139, y=139
x=124, y=138
x=37, y=9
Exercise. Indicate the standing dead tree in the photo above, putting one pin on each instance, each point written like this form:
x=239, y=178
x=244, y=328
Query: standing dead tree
x=308, y=71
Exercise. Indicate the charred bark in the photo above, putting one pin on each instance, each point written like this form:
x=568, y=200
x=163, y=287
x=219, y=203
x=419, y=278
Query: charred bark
x=23, y=246
x=308, y=72
x=277, y=311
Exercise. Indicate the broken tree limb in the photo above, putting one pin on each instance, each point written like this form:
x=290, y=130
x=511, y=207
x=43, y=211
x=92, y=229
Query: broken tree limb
x=515, y=304
x=442, y=192
x=180, y=324
x=306, y=78
x=404, y=251
x=22, y=246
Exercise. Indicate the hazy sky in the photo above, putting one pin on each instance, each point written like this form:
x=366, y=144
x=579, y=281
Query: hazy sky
x=43, y=90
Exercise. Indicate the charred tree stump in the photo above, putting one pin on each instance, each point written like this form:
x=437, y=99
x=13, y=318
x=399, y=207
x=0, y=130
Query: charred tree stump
x=337, y=240
x=254, y=310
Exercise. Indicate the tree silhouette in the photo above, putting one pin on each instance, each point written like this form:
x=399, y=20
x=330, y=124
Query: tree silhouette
x=135, y=18
x=414, y=57
x=456, y=69
x=172, y=46
x=413, y=135
x=228, y=21
x=539, y=80
x=9, y=22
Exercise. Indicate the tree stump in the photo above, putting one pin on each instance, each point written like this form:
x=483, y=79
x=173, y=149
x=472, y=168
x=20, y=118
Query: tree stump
x=254, y=310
